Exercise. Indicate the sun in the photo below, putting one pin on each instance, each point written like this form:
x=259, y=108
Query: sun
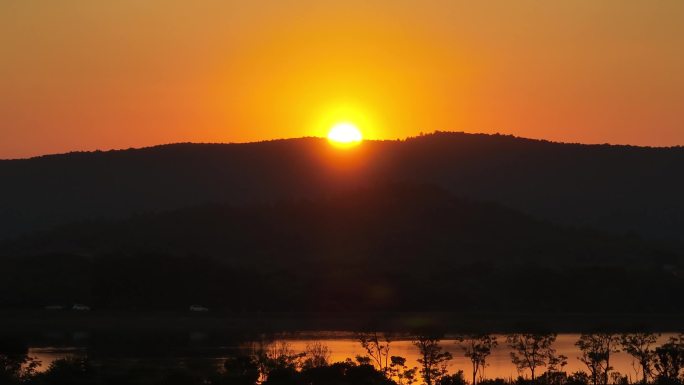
x=345, y=134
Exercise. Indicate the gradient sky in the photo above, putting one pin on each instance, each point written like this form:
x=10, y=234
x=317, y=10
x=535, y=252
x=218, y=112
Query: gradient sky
x=84, y=75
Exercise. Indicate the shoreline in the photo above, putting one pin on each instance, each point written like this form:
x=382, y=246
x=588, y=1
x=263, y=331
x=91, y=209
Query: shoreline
x=104, y=321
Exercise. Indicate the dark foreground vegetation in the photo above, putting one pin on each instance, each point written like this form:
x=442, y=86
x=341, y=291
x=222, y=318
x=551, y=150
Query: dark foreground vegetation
x=275, y=363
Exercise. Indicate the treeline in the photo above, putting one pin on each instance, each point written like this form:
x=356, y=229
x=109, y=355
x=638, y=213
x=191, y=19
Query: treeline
x=276, y=363
x=534, y=357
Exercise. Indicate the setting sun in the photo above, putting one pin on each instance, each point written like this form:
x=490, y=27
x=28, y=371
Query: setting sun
x=345, y=134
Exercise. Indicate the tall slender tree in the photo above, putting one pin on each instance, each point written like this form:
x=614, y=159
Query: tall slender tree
x=531, y=350
x=378, y=348
x=638, y=345
x=477, y=347
x=433, y=359
x=596, y=350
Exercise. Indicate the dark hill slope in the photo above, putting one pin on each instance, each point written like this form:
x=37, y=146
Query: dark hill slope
x=399, y=222
x=615, y=188
x=397, y=247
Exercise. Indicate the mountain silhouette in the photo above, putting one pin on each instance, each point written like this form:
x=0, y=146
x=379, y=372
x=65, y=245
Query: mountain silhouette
x=619, y=189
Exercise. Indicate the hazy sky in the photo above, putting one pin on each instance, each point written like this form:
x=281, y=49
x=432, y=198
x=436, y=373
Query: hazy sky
x=84, y=74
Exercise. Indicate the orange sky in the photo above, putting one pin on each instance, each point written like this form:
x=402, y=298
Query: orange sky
x=83, y=74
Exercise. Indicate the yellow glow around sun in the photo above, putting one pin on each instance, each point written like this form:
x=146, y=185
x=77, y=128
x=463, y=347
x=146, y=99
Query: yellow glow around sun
x=345, y=134
x=345, y=123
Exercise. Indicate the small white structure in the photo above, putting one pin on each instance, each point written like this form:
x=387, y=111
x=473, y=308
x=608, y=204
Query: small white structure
x=198, y=308
x=80, y=307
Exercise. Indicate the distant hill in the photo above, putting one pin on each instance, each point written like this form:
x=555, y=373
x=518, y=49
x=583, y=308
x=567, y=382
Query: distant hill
x=390, y=247
x=398, y=222
x=619, y=189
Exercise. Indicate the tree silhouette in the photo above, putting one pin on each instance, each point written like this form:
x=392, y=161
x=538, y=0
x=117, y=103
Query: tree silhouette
x=433, y=359
x=596, y=350
x=638, y=345
x=453, y=379
x=477, y=347
x=377, y=347
x=401, y=372
x=275, y=356
x=15, y=363
x=241, y=370
x=317, y=355
x=669, y=360
x=71, y=370
x=531, y=351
